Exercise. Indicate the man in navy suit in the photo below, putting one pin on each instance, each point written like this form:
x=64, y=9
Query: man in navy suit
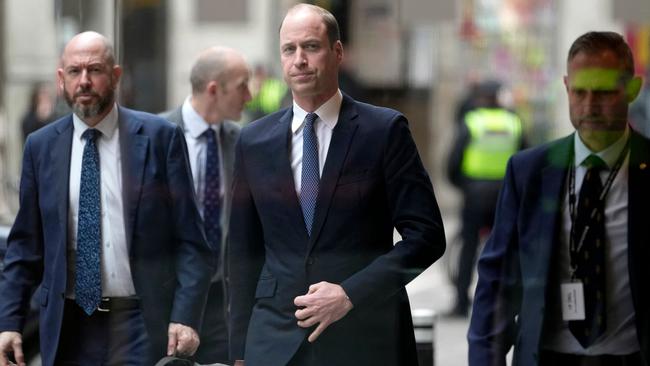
x=563, y=287
x=318, y=189
x=122, y=262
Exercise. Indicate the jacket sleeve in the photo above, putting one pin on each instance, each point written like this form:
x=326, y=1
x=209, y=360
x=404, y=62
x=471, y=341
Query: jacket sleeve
x=414, y=213
x=23, y=262
x=245, y=256
x=193, y=269
x=498, y=292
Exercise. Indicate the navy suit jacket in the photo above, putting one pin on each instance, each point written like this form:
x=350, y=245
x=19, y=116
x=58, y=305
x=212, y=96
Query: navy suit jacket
x=372, y=181
x=164, y=231
x=514, y=279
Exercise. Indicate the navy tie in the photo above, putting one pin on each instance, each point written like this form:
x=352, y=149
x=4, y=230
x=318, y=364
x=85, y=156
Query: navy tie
x=310, y=171
x=88, y=278
x=211, y=196
x=589, y=258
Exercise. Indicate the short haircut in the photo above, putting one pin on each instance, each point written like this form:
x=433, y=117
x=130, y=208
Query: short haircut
x=212, y=65
x=594, y=42
x=331, y=25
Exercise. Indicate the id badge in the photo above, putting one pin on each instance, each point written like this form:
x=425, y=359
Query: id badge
x=573, y=301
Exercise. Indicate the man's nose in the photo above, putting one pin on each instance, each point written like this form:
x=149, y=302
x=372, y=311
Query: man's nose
x=592, y=102
x=299, y=58
x=84, y=79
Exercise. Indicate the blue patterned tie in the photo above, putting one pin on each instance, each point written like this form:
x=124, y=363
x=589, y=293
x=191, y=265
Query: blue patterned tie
x=310, y=171
x=88, y=278
x=211, y=196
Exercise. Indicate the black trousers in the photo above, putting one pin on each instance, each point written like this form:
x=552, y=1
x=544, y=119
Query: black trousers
x=115, y=338
x=214, y=331
x=478, y=212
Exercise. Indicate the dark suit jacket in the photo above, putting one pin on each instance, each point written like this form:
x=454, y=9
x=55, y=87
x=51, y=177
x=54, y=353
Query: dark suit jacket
x=373, y=180
x=164, y=232
x=514, y=266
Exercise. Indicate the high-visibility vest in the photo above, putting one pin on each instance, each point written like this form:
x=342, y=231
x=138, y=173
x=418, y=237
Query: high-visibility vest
x=495, y=135
x=270, y=96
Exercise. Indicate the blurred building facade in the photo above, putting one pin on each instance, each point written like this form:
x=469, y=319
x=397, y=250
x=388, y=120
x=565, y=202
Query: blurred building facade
x=413, y=55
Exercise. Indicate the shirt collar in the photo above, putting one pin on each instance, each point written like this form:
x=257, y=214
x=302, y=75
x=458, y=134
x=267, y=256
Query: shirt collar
x=195, y=125
x=328, y=112
x=106, y=126
x=609, y=155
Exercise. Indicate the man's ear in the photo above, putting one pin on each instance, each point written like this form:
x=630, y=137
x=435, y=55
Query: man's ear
x=633, y=88
x=212, y=87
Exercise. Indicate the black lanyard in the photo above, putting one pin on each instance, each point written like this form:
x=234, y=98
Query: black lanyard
x=574, y=247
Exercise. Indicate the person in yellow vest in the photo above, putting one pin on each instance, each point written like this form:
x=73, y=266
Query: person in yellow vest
x=486, y=139
x=269, y=94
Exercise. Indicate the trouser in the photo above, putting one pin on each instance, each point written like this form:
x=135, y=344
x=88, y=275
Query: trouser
x=214, y=331
x=117, y=337
x=478, y=212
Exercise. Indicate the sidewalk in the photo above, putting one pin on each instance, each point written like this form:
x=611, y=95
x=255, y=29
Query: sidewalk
x=432, y=290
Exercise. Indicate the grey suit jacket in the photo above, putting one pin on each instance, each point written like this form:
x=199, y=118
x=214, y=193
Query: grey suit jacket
x=227, y=138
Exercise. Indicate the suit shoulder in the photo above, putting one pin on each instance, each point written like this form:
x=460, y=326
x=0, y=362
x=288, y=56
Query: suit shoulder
x=266, y=123
x=172, y=115
x=150, y=121
x=554, y=153
x=52, y=128
x=373, y=113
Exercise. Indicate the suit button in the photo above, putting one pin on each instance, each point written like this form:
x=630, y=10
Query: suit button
x=310, y=261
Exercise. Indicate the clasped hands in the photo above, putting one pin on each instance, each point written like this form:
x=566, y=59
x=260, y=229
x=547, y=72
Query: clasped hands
x=324, y=304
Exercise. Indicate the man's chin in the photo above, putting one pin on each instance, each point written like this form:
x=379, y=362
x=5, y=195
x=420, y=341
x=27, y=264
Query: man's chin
x=85, y=111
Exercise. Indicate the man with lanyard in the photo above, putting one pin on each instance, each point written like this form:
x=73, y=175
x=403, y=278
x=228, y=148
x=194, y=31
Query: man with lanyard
x=561, y=276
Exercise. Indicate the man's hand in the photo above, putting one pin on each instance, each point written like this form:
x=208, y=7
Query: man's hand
x=324, y=304
x=239, y=363
x=11, y=342
x=183, y=340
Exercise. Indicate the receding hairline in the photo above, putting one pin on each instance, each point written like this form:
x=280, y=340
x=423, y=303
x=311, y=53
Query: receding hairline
x=214, y=64
x=327, y=18
x=89, y=37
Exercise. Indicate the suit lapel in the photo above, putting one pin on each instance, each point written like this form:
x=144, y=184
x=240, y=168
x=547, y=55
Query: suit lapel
x=338, y=150
x=279, y=148
x=133, y=147
x=228, y=140
x=553, y=179
x=638, y=203
x=60, y=171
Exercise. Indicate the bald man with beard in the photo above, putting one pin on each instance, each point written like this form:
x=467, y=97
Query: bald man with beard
x=109, y=224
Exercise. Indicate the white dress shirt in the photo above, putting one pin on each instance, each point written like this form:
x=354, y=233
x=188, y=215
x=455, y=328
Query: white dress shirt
x=620, y=337
x=197, y=149
x=116, y=270
x=328, y=116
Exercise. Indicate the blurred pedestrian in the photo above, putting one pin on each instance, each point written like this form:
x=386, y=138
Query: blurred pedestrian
x=485, y=140
x=219, y=79
x=562, y=277
x=41, y=108
x=270, y=94
x=319, y=188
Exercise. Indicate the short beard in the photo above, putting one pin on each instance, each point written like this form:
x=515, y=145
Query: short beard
x=92, y=110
